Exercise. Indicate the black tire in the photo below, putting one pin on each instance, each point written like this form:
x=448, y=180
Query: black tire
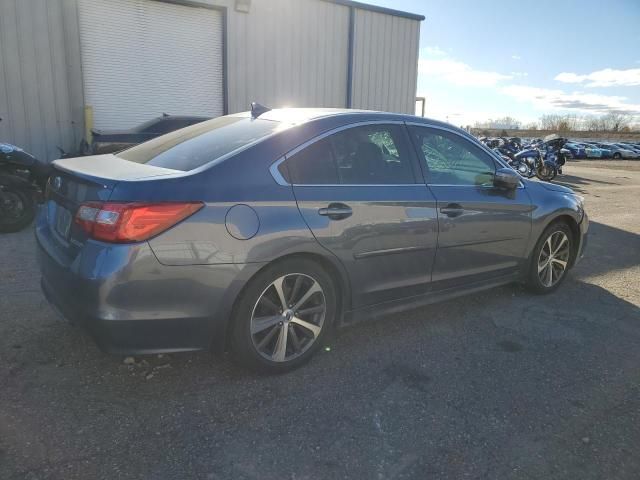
x=533, y=281
x=617, y=155
x=546, y=172
x=18, y=208
x=243, y=347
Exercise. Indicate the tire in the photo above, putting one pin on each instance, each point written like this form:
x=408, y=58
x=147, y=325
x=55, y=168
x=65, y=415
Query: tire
x=546, y=172
x=617, y=155
x=17, y=208
x=537, y=280
x=257, y=344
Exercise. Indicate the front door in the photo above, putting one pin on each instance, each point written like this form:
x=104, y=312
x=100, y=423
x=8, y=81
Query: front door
x=360, y=191
x=483, y=231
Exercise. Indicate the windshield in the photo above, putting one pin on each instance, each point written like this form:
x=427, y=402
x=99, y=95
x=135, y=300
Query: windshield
x=194, y=146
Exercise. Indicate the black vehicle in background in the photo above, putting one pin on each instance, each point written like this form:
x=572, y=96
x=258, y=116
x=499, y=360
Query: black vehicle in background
x=110, y=141
x=22, y=181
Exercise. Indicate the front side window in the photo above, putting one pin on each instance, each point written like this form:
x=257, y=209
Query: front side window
x=451, y=159
x=365, y=155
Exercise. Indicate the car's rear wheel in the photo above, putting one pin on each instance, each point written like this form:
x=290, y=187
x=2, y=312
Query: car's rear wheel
x=617, y=155
x=551, y=258
x=283, y=316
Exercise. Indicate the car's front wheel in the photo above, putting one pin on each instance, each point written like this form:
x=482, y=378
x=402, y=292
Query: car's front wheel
x=551, y=258
x=283, y=316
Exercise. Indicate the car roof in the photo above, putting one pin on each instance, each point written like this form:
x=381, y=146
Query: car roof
x=297, y=116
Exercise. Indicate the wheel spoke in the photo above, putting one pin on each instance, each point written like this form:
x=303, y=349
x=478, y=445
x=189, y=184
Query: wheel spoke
x=542, y=266
x=260, y=324
x=280, y=350
x=278, y=285
x=267, y=301
x=268, y=337
x=548, y=245
x=314, y=329
x=310, y=311
x=296, y=288
x=549, y=275
x=559, y=262
x=297, y=345
x=312, y=289
x=563, y=240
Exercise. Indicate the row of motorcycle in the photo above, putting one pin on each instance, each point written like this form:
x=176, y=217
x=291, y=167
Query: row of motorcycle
x=542, y=158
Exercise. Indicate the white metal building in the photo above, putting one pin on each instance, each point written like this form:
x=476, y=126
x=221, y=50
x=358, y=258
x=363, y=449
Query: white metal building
x=116, y=63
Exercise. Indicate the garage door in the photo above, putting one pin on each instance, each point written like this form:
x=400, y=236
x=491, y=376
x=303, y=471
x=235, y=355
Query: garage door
x=142, y=58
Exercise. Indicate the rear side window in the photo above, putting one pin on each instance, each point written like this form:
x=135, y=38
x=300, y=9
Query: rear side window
x=366, y=155
x=202, y=143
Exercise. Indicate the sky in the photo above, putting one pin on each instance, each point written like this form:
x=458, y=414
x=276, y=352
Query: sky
x=525, y=58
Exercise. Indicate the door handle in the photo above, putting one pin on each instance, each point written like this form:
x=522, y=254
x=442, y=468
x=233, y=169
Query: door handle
x=452, y=210
x=336, y=211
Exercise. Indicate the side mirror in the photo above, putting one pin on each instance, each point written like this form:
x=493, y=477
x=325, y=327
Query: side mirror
x=506, y=179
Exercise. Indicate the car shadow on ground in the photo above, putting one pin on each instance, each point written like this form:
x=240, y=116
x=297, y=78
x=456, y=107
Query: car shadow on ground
x=580, y=184
x=608, y=249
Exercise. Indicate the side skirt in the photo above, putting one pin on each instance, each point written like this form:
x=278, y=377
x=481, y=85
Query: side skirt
x=412, y=303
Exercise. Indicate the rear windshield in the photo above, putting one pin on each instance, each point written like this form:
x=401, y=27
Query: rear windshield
x=202, y=143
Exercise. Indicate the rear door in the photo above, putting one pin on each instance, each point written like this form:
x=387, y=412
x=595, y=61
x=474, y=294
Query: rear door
x=360, y=191
x=483, y=231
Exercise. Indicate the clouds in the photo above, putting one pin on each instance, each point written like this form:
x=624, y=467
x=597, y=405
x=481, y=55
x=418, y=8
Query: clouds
x=434, y=51
x=501, y=88
x=550, y=99
x=459, y=73
x=607, y=77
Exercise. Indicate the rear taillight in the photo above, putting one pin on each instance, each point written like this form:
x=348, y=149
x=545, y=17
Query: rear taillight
x=131, y=222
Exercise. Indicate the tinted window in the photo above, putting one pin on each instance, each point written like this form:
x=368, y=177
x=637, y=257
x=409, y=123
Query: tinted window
x=314, y=165
x=202, y=143
x=453, y=160
x=371, y=154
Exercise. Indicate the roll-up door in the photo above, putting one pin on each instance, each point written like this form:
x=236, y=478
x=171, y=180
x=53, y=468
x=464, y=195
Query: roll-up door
x=142, y=58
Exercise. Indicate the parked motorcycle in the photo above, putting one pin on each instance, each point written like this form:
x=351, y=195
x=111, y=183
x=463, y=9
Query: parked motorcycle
x=543, y=158
x=22, y=182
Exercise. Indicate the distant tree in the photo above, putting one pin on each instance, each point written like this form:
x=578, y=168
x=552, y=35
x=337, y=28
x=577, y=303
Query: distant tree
x=504, y=133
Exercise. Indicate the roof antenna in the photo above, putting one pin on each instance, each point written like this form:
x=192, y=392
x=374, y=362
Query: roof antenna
x=257, y=109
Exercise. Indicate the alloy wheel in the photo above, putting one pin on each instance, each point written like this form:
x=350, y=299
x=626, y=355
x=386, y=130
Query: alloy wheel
x=288, y=317
x=554, y=258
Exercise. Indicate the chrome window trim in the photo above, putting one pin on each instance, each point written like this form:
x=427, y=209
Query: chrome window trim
x=280, y=180
x=486, y=149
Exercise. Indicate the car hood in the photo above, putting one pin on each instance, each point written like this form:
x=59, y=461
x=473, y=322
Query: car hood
x=554, y=187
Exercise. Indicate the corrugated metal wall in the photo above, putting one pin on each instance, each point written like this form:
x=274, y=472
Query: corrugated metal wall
x=288, y=53
x=385, y=67
x=40, y=83
x=282, y=53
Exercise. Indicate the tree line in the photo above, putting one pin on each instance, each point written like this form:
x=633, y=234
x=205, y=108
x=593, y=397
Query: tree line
x=609, y=122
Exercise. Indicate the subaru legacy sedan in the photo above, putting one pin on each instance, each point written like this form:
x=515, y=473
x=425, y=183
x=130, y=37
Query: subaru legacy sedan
x=258, y=233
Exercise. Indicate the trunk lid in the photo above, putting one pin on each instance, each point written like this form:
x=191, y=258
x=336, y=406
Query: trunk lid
x=75, y=181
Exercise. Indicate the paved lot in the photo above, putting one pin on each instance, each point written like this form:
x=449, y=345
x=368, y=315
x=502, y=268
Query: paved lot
x=498, y=385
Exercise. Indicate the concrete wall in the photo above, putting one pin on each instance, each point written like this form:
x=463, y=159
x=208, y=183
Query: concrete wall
x=40, y=79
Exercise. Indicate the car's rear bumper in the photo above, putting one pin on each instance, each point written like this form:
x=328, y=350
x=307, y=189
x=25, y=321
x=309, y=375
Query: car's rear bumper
x=132, y=304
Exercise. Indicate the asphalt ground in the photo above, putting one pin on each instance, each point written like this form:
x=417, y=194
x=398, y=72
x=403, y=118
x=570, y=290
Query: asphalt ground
x=498, y=385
